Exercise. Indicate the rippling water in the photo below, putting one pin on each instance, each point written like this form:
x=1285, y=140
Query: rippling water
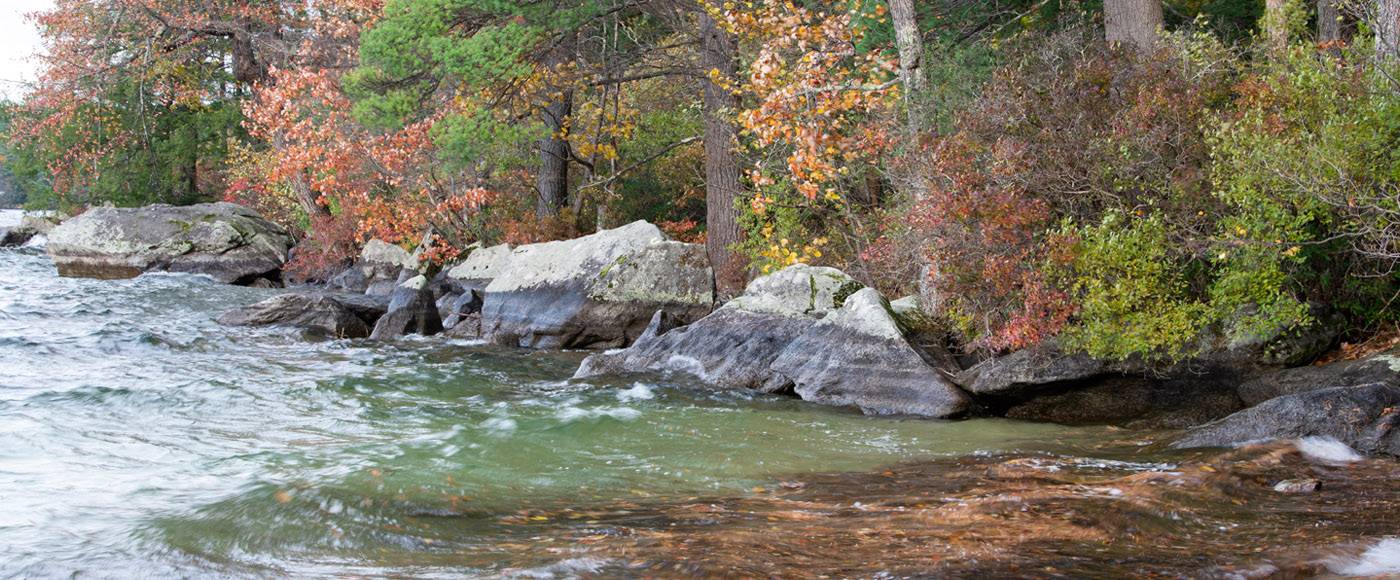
x=142, y=439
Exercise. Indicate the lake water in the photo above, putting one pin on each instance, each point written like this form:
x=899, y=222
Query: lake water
x=143, y=438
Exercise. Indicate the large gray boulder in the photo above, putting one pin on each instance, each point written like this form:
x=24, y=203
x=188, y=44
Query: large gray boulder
x=597, y=291
x=1362, y=416
x=734, y=348
x=227, y=242
x=858, y=356
x=480, y=267
x=334, y=315
x=412, y=310
x=1380, y=368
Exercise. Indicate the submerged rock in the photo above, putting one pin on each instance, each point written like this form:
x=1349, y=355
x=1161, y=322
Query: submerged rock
x=734, y=348
x=1363, y=417
x=336, y=315
x=227, y=242
x=597, y=291
x=411, y=311
x=858, y=356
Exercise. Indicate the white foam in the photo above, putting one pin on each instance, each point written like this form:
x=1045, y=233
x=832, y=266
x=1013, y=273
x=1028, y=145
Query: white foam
x=687, y=364
x=619, y=413
x=570, y=568
x=1381, y=559
x=638, y=392
x=1327, y=450
x=499, y=424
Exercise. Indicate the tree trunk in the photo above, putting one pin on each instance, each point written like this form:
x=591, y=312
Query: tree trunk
x=1133, y=22
x=1276, y=26
x=911, y=45
x=552, y=181
x=247, y=68
x=1329, y=25
x=722, y=188
x=1387, y=29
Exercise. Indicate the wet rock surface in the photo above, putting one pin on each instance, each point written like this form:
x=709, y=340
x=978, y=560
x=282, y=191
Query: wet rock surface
x=412, y=310
x=1379, y=368
x=334, y=315
x=1363, y=417
x=857, y=356
x=227, y=242
x=734, y=347
x=1202, y=515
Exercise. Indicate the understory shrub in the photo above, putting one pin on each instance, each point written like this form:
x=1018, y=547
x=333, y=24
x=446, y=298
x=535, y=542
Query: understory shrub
x=1126, y=202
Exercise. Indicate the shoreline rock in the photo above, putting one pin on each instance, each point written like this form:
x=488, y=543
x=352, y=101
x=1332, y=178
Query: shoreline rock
x=810, y=331
x=1364, y=417
x=596, y=291
x=227, y=242
x=335, y=315
x=412, y=310
x=858, y=356
x=734, y=346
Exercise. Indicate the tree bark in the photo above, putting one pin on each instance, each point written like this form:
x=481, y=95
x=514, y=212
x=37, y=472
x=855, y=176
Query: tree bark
x=910, y=44
x=1276, y=26
x=552, y=181
x=1133, y=22
x=722, y=187
x=1329, y=25
x=1387, y=29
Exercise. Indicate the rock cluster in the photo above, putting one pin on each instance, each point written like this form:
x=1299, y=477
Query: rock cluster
x=811, y=331
x=808, y=331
